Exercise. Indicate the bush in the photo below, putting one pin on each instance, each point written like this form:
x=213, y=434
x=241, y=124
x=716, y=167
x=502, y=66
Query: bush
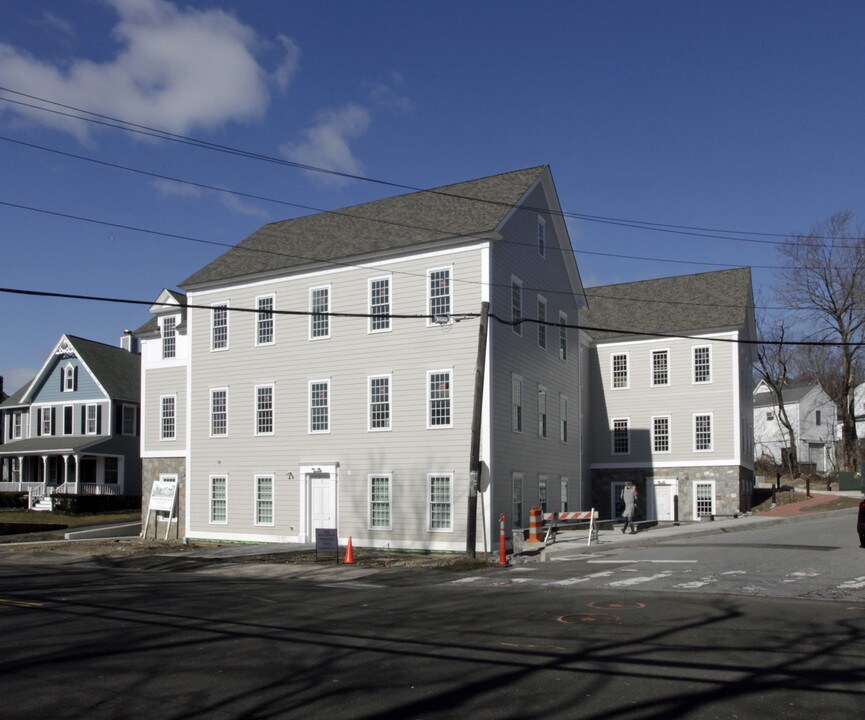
x=17, y=500
x=69, y=504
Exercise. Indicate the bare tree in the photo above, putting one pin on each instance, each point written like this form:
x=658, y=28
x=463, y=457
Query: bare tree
x=825, y=278
x=774, y=363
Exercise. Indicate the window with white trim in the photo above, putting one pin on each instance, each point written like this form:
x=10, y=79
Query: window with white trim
x=660, y=368
x=219, y=327
x=619, y=364
x=17, y=425
x=542, y=323
x=563, y=418
x=563, y=336
x=264, y=409
x=542, y=493
x=111, y=471
x=167, y=417
x=542, y=412
x=439, y=293
x=129, y=422
x=46, y=421
x=704, y=499
x=319, y=406
x=439, y=398
x=563, y=493
x=379, y=304
x=218, y=499
x=703, y=432
x=379, y=502
x=379, y=402
x=516, y=500
x=264, y=334
x=517, y=304
x=218, y=412
x=542, y=237
x=661, y=434
x=702, y=364
x=264, y=499
x=69, y=378
x=92, y=419
x=621, y=436
x=169, y=337
x=440, y=501
x=516, y=403
x=319, y=307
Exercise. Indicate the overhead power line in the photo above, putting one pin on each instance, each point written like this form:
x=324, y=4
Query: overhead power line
x=458, y=317
x=128, y=126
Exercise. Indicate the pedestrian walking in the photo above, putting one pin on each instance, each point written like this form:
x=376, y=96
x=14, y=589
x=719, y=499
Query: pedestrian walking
x=629, y=497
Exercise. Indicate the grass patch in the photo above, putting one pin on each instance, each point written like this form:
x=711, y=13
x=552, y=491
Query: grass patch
x=52, y=518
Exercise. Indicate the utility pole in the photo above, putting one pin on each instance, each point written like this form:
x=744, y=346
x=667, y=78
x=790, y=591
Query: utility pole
x=477, y=414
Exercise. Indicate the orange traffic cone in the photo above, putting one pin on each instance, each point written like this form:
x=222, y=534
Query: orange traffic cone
x=349, y=554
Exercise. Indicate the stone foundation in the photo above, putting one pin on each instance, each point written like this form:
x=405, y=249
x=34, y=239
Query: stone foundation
x=151, y=469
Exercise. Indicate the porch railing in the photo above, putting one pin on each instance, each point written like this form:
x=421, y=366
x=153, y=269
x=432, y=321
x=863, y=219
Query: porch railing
x=81, y=488
x=35, y=494
x=17, y=486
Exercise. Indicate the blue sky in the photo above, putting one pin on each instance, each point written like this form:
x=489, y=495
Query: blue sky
x=727, y=115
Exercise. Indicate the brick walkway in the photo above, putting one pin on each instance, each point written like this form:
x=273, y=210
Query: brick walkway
x=795, y=508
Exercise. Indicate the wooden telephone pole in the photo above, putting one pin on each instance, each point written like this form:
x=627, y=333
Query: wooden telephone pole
x=477, y=414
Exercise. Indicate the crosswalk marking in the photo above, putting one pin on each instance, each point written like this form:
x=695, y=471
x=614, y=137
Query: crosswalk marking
x=853, y=584
x=639, y=579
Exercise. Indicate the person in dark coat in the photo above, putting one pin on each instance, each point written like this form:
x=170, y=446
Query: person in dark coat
x=629, y=497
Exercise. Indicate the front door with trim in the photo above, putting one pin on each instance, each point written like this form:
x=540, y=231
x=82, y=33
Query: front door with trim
x=660, y=500
x=322, y=498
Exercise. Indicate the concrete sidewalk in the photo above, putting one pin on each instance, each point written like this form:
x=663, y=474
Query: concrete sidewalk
x=570, y=543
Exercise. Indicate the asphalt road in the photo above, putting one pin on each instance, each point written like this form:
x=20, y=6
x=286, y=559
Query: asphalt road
x=79, y=640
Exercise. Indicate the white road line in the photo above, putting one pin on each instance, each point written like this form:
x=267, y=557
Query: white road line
x=466, y=580
x=694, y=584
x=735, y=572
x=585, y=578
x=630, y=562
x=797, y=576
x=639, y=580
x=853, y=584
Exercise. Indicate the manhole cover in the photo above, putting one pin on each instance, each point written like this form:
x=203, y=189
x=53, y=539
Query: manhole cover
x=617, y=605
x=588, y=619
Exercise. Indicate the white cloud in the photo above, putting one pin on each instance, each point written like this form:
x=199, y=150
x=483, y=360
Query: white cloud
x=325, y=144
x=175, y=189
x=285, y=71
x=235, y=204
x=175, y=69
x=51, y=20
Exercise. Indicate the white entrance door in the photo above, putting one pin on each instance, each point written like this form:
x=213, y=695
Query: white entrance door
x=660, y=505
x=323, y=501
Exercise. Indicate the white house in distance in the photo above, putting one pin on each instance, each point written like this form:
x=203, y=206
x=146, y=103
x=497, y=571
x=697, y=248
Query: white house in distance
x=670, y=393
x=813, y=416
x=322, y=372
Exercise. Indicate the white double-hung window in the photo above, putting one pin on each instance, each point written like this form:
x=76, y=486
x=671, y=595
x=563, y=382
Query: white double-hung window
x=219, y=327
x=379, y=402
x=440, y=501
x=702, y=361
x=319, y=307
x=379, y=502
x=264, y=410
x=264, y=334
x=169, y=337
x=319, y=406
x=439, y=399
x=379, y=304
x=218, y=412
x=168, y=417
x=439, y=294
x=619, y=362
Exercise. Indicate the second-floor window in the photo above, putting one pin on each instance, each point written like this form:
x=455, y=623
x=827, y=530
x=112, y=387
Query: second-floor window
x=439, y=299
x=439, y=413
x=379, y=403
x=319, y=306
x=818, y=417
x=621, y=436
x=129, y=421
x=17, y=425
x=264, y=410
x=542, y=323
x=168, y=421
x=319, y=406
x=219, y=412
x=46, y=421
x=703, y=432
x=92, y=419
x=620, y=371
x=219, y=327
x=379, y=304
x=517, y=305
x=661, y=434
x=169, y=337
x=67, y=420
x=660, y=368
x=264, y=320
x=516, y=403
x=563, y=337
x=703, y=364
x=563, y=418
x=542, y=412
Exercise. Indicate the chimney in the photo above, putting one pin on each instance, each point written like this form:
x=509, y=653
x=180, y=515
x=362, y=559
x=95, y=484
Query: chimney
x=129, y=342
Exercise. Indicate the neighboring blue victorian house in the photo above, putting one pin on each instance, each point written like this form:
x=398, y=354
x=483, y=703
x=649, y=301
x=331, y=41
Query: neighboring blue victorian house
x=74, y=427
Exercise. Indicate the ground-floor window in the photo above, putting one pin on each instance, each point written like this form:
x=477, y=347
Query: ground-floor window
x=379, y=502
x=218, y=499
x=112, y=471
x=517, y=500
x=264, y=500
x=440, y=502
x=542, y=492
x=563, y=483
x=704, y=499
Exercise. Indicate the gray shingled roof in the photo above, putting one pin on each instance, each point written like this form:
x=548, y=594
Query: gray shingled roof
x=791, y=393
x=118, y=370
x=381, y=226
x=686, y=303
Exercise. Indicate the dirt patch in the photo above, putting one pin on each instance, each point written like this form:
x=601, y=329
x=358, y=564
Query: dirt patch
x=838, y=503
x=791, y=497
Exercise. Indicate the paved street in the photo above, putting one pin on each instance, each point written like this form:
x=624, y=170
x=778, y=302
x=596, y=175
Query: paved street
x=83, y=640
